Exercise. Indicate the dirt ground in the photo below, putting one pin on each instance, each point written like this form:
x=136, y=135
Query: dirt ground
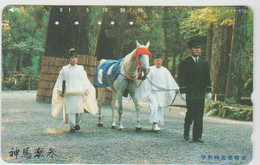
x=28, y=126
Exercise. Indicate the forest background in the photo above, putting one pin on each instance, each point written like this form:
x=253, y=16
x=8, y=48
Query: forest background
x=31, y=32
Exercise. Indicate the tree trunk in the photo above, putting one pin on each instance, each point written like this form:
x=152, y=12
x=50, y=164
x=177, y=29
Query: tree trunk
x=120, y=34
x=166, y=37
x=172, y=39
x=65, y=35
x=105, y=44
x=221, y=43
x=209, y=43
x=4, y=66
x=18, y=64
x=235, y=82
x=110, y=44
x=177, y=49
x=27, y=60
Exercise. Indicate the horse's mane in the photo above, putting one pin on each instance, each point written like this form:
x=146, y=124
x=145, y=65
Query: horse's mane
x=132, y=53
x=127, y=57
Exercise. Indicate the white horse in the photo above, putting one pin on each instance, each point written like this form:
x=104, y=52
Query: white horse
x=134, y=67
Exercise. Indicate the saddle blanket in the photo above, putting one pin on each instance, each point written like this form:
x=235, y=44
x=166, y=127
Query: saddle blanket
x=105, y=68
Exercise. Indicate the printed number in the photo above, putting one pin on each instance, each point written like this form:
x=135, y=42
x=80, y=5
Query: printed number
x=122, y=10
x=105, y=10
x=61, y=9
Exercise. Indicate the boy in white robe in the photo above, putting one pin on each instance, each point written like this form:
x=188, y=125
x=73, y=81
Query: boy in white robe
x=160, y=88
x=74, y=93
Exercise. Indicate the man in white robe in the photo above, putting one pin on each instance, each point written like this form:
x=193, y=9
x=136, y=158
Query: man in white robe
x=73, y=93
x=160, y=88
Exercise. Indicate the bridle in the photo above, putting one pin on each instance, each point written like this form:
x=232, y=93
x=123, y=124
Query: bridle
x=138, y=53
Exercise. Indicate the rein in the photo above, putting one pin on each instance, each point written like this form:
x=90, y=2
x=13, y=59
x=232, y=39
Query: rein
x=130, y=78
x=134, y=80
x=160, y=88
x=172, y=102
x=164, y=89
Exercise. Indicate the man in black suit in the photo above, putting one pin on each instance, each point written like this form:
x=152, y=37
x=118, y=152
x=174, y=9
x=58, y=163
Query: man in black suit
x=194, y=82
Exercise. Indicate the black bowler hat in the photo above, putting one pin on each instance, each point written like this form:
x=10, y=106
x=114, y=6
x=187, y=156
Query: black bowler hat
x=158, y=56
x=72, y=53
x=194, y=43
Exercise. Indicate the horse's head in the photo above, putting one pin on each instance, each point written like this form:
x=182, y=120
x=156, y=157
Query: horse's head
x=143, y=55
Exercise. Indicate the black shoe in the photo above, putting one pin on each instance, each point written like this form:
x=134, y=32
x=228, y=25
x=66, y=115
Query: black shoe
x=72, y=130
x=197, y=140
x=186, y=137
x=77, y=127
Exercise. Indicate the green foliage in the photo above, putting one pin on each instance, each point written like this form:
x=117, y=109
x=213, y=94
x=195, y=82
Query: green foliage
x=24, y=30
x=198, y=22
x=201, y=18
x=27, y=80
x=230, y=111
x=248, y=61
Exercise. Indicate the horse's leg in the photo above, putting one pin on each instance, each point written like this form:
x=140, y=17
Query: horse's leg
x=120, y=108
x=100, y=99
x=113, y=124
x=137, y=108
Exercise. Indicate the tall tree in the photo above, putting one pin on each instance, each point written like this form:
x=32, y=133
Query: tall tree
x=221, y=45
x=105, y=44
x=235, y=82
x=24, y=30
x=178, y=43
x=166, y=36
x=117, y=36
x=215, y=24
x=209, y=43
x=37, y=14
x=68, y=28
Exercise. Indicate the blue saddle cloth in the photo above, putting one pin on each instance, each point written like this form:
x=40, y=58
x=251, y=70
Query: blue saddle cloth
x=100, y=77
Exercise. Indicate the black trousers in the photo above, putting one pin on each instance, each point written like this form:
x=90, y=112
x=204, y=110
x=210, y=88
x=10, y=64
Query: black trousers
x=195, y=111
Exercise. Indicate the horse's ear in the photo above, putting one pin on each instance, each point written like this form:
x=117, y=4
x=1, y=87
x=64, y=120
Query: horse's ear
x=137, y=44
x=147, y=45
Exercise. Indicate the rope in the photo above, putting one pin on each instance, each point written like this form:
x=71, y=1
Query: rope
x=164, y=89
x=160, y=88
x=172, y=102
x=131, y=80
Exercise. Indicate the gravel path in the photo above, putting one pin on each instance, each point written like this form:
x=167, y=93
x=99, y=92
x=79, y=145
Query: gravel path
x=26, y=123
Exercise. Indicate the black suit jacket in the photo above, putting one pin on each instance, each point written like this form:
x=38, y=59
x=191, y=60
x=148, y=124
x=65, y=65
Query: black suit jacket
x=194, y=78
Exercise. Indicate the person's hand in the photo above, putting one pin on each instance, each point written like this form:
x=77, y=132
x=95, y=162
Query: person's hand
x=183, y=96
x=209, y=96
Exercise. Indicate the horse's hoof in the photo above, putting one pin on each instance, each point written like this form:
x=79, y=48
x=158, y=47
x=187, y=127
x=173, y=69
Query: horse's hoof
x=138, y=128
x=113, y=127
x=100, y=125
x=121, y=128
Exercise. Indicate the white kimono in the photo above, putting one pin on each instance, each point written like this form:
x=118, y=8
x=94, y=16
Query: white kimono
x=80, y=94
x=160, y=88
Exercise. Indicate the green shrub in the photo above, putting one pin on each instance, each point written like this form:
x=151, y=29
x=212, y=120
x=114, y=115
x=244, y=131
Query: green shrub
x=230, y=111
